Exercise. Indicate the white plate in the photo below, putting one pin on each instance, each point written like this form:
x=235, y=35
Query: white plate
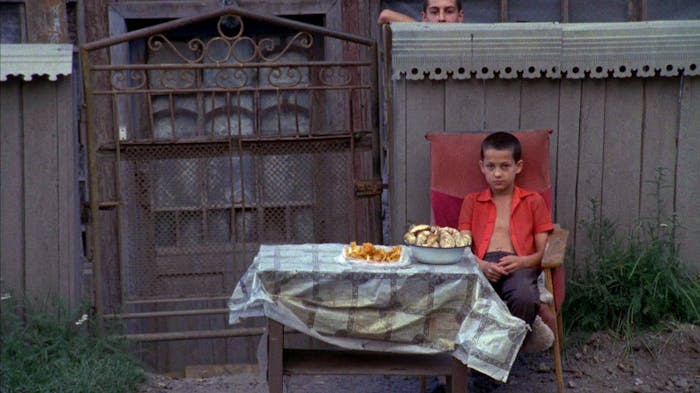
x=403, y=261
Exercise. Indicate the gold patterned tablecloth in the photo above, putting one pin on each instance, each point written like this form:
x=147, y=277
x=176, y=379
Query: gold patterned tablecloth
x=415, y=308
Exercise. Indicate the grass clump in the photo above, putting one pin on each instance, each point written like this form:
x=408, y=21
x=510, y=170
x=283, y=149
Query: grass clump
x=46, y=349
x=634, y=283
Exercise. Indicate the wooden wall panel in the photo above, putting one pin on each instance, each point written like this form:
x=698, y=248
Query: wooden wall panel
x=464, y=105
x=40, y=251
x=41, y=188
x=11, y=189
x=70, y=250
x=688, y=172
x=419, y=96
x=622, y=148
x=502, y=104
x=46, y=21
x=397, y=163
x=539, y=108
x=661, y=110
x=590, y=152
x=198, y=351
x=567, y=157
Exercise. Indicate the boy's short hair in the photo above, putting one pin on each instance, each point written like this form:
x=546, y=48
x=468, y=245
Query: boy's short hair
x=502, y=141
x=426, y=3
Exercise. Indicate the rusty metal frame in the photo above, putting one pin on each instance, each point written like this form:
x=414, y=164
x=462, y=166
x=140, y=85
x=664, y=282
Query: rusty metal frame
x=363, y=137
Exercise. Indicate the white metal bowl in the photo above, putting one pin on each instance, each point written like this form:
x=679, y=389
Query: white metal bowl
x=437, y=256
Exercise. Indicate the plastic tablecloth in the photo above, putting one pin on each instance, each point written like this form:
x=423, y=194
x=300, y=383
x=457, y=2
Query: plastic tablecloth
x=408, y=308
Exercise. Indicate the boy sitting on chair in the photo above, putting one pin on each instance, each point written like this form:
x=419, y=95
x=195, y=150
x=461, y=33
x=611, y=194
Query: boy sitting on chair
x=509, y=227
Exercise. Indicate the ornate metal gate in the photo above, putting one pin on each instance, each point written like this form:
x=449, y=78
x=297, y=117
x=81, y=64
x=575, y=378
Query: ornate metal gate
x=211, y=135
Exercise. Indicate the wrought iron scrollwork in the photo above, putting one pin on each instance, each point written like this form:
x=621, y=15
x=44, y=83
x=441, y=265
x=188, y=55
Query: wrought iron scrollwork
x=176, y=79
x=128, y=79
x=159, y=41
x=335, y=76
x=267, y=45
x=264, y=50
x=231, y=78
x=285, y=77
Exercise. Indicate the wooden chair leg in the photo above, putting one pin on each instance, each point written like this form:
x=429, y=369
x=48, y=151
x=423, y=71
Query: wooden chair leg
x=556, y=351
x=560, y=329
x=422, y=384
x=558, y=334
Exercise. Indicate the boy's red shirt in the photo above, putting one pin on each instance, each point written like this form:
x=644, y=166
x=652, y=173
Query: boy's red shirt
x=529, y=216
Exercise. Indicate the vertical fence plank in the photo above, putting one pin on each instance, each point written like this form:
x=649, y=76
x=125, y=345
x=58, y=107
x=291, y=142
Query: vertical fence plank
x=68, y=203
x=502, y=104
x=688, y=172
x=464, y=105
x=41, y=188
x=425, y=112
x=11, y=187
x=661, y=110
x=623, y=140
x=567, y=154
x=539, y=108
x=590, y=155
x=398, y=195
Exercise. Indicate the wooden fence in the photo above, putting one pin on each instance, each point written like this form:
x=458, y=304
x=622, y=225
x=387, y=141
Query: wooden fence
x=40, y=250
x=610, y=136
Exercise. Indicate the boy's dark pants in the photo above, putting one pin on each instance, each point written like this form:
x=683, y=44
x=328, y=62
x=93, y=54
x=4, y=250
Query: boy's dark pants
x=518, y=290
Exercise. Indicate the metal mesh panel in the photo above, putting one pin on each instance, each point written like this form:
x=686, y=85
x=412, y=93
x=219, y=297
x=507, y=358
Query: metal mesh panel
x=191, y=213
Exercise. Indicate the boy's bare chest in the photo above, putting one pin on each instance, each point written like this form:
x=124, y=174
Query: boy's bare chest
x=502, y=214
x=500, y=238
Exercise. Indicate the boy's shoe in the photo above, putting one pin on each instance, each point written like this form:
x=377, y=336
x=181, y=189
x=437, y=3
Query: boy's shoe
x=539, y=339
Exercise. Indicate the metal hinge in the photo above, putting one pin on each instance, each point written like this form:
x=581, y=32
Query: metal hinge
x=369, y=188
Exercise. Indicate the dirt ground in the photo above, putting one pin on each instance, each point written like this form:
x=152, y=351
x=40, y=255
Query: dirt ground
x=659, y=362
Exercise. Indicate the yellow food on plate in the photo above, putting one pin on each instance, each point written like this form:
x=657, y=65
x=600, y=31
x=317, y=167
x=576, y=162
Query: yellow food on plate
x=371, y=253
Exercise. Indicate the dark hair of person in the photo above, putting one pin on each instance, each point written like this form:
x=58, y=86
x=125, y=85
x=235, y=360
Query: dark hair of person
x=502, y=141
x=426, y=3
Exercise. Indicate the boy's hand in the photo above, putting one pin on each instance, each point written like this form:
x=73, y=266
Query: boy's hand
x=491, y=270
x=511, y=263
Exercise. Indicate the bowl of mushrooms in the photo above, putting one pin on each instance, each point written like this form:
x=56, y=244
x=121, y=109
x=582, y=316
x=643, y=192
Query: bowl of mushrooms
x=436, y=245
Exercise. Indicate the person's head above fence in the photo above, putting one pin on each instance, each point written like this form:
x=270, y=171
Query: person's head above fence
x=442, y=11
x=438, y=11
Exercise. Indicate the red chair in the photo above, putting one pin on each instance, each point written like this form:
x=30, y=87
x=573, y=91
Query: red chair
x=454, y=170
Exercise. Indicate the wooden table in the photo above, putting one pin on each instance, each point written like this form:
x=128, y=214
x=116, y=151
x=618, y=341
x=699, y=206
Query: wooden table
x=408, y=319
x=284, y=361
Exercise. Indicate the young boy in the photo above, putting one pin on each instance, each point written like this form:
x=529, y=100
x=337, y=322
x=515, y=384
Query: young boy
x=441, y=11
x=509, y=227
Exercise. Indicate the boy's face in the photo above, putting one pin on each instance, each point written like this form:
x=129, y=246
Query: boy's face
x=499, y=169
x=444, y=11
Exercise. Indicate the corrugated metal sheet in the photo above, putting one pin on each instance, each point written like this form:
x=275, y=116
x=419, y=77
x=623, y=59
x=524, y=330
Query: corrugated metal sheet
x=30, y=60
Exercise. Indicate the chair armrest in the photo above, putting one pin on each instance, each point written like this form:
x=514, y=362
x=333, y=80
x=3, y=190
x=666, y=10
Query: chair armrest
x=555, y=249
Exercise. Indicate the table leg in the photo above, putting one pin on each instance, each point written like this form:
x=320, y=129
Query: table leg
x=458, y=382
x=275, y=352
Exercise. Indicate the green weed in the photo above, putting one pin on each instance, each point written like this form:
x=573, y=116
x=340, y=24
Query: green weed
x=632, y=283
x=46, y=349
